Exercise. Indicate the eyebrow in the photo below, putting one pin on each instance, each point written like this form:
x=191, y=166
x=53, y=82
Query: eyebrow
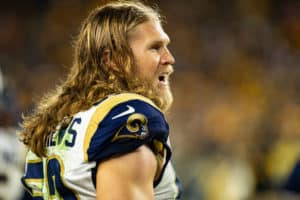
x=166, y=41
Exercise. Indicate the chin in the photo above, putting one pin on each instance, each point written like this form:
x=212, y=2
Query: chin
x=167, y=99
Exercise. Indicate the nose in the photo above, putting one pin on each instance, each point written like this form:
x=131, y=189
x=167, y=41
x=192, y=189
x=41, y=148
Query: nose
x=167, y=57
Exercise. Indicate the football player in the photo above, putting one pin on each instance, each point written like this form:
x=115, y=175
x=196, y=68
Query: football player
x=102, y=134
x=11, y=150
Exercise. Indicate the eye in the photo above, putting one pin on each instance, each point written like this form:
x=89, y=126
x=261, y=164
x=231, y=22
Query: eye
x=155, y=47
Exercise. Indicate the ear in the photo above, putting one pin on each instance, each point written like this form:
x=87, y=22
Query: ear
x=108, y=61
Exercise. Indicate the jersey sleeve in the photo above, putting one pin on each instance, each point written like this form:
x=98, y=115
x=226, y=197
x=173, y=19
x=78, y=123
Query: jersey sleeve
x=124, y=123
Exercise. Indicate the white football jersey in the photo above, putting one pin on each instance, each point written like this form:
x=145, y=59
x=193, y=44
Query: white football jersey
x=116, y=125
x=11, y=164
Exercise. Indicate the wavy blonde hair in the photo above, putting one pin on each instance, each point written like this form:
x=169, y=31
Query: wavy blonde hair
x=103, y=65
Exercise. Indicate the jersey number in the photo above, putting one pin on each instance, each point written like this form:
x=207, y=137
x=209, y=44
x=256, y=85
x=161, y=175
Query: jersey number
x=34, y=178
x=56, y=186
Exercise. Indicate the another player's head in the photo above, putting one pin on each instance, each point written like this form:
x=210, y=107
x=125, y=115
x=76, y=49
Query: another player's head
x=115, y=50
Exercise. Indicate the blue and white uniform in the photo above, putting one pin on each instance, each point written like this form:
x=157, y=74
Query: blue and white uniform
x=117, y=125
x=11, y=164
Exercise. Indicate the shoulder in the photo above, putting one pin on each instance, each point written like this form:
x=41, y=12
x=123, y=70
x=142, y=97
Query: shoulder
x=115, y=99
x=123, y=108
x=111, y=102
x=121, y=123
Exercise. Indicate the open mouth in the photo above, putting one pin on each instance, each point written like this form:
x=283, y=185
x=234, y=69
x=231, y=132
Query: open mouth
x=163, y=79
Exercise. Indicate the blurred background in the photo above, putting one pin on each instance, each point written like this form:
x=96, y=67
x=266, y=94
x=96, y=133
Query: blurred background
x=235, y=122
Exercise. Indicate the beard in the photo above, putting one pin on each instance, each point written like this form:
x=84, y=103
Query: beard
x=165, y=96
x=161, y=96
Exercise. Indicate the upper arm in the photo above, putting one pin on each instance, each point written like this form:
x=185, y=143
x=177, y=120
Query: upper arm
x=129, y=176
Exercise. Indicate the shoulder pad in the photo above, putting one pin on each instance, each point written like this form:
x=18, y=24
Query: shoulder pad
x=122, y=123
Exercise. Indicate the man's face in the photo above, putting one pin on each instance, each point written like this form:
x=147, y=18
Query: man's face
x=153, y=60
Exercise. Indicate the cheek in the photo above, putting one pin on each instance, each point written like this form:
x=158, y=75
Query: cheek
x=152, y=61
x=151, y=67
x=148, y=65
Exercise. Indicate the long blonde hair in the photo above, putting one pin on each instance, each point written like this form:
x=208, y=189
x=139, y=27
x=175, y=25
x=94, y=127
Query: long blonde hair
x=103, y=64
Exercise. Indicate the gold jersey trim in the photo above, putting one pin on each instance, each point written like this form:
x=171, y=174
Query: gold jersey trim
x=103, y=109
